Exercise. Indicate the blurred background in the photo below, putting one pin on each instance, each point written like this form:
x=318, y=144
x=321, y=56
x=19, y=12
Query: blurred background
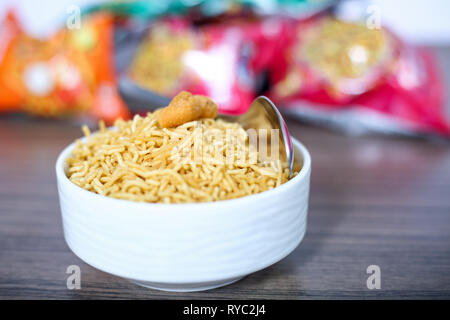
x=360, y=66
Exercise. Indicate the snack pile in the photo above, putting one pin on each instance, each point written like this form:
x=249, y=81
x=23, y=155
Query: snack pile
x=196, y=160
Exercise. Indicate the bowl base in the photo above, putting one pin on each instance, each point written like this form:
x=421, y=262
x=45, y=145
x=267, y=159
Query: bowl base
x=185, y=287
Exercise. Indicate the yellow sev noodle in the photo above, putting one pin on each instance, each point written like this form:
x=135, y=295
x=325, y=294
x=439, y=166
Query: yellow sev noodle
x=194, y=162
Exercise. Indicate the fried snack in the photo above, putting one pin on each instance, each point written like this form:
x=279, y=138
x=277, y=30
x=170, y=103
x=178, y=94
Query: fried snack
x=140, y=161
x=186, y=107
x=208, y=107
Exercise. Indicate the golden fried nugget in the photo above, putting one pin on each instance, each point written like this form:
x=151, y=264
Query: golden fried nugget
x=185, y=107
x=208, y=106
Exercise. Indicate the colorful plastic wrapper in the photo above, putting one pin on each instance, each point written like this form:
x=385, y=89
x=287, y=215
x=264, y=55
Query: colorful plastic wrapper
x=152, y=9
x=359, y=79
x=67, y=74
x=319, y=68
x=223, y=60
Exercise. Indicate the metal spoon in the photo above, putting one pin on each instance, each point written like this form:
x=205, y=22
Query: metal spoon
x=262, y=114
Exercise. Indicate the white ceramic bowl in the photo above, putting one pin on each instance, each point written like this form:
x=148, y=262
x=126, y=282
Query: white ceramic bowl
x=185, y=247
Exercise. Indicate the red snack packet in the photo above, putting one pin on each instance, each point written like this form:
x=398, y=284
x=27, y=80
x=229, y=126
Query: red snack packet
x=221, y=60
x=330, y=61
x=359, y=79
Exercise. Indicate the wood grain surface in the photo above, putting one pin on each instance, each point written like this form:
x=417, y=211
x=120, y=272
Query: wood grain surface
x=374, y=200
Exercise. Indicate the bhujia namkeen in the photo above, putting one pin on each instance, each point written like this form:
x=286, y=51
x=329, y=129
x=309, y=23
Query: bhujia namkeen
x=203, y=159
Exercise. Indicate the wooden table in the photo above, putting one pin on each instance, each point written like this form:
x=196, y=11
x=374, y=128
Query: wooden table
x=374, y=201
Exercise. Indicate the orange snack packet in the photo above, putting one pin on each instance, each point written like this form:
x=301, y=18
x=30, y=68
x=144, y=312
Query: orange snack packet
x=10, y=30
x=64, y=75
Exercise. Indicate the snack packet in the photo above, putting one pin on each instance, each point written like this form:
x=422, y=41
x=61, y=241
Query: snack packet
x=359, y=79
x=64, y=75
x=222, y=59
x=10, y=31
